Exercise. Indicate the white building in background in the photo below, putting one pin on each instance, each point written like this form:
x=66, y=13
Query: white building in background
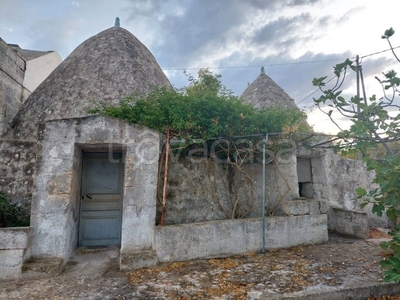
x=38, y=65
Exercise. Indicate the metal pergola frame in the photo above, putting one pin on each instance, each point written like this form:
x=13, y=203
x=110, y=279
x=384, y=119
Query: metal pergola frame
x=266, y=136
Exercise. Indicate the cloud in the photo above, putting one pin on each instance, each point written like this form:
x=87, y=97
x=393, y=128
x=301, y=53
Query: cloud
x=262, y=4
x=185, y=34
x=284, y=32
x=226, y=33
x=200, y=33
x=350, y=14
x=9, y=29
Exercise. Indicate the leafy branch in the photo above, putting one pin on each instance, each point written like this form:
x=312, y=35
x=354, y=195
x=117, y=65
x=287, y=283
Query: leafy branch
x=375, y=123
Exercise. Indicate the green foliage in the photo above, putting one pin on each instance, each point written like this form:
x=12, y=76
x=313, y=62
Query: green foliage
x=388, y=33
x=373, y=129
x=11, y=214
x=391, y=264
x=203, y=110
x=207, y=112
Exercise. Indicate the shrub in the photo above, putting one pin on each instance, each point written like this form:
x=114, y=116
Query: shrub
x=12, y=214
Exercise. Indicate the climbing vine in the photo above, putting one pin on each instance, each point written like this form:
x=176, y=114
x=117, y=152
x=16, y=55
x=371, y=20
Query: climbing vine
x=202, y=111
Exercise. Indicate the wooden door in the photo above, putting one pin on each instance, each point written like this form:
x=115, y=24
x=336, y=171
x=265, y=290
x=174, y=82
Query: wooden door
x=101, y=199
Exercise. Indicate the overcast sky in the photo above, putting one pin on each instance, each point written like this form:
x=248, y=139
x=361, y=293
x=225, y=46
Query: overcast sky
x=296, y=40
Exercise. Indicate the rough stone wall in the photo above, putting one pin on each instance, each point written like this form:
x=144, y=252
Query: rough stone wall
x=55, y=202
x=12, y=92
x=343, y=176
x=17, y=168
x=194, y=185
x=264, y=92
x=336, y=179
x=107, y=67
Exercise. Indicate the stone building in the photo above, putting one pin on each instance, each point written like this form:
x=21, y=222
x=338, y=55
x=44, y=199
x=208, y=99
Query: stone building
x=21, y=73
x=57, y=152
x=91, y=180
x=263, y=92
x=321, y=174
x=107, y=67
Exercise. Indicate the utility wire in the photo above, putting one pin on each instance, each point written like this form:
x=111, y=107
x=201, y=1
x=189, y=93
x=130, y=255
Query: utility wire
x=275, y=64
x=364, y=56
x=379, y=52
x=282, y=64
x=254, y=66
x=314, y=91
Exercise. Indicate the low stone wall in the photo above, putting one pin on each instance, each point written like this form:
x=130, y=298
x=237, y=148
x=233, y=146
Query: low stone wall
x=336, y=179
x=231, y=237
x=17, y=167
x=305, y=207
x=14, y=249
x=349, y=222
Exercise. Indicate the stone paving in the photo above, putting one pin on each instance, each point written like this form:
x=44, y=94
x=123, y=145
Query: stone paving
x=342, y=268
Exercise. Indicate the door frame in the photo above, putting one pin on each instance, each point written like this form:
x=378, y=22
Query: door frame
x=101, y=154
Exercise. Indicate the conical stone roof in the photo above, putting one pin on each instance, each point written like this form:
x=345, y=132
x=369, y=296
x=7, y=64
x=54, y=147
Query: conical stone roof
x=107, y=67
x=264, y=92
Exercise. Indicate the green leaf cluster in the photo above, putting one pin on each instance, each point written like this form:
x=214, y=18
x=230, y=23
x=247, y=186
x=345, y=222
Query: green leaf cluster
x=12, y=214
x=391, y=266
x=375, y=126
x=203, y=110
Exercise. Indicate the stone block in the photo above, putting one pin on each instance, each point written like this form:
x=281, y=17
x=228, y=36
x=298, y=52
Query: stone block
x=314, y=207
x=323, y=206
x=14, y=242
x=296, y=207
x=52, y=234
x=349, y=222
x=11, y=263
x=15, y=238
x=138, y=227
x=48, y=265
x=284, y=232
x=137, y=259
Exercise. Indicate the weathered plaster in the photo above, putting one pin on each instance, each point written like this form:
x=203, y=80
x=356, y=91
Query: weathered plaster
x=14, y=249
x=55, y=204
x=231, y=237
x=349, y=222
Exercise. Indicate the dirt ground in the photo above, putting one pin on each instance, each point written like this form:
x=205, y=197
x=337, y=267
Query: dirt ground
x=93, y=274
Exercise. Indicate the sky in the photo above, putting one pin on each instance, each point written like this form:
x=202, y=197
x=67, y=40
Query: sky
x=295, y=40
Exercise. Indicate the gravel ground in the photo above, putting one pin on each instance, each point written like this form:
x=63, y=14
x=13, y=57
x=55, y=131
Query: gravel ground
x=340, y=263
